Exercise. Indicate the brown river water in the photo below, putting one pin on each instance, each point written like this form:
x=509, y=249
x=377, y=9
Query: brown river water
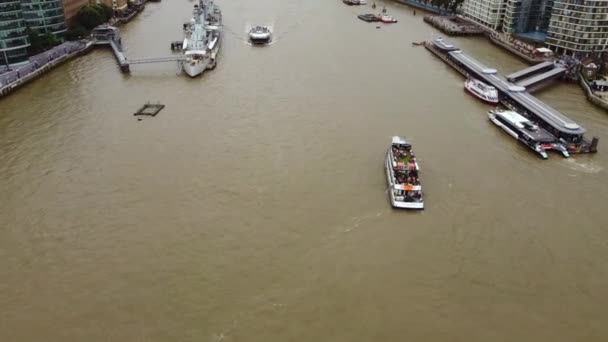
x=254, y=207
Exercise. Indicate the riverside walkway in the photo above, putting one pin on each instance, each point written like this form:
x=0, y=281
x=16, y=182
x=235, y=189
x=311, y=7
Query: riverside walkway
x=13, y=73
x=13, y=77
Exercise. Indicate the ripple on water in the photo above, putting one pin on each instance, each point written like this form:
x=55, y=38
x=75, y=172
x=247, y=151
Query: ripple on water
x=590, y=167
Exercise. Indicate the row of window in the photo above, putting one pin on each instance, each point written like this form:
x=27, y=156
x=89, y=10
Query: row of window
x=46, y=14
x=589, y=43
x=581, y=15
x=35, y=7
x=579, y=26
x=39, y=1
x=575, y=47
x=11, y=25
x=6, y=35
x=14, y=56
x=46, y=22
x=10, y=43
x=578, y=34
x=10, y=6
x=579, y=9
x=10, y=16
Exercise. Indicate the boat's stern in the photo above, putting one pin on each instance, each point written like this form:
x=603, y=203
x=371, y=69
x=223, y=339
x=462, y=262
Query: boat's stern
x=408, y=205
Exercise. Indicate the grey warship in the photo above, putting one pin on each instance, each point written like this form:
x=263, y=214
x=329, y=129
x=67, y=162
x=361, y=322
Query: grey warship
x=202, y=38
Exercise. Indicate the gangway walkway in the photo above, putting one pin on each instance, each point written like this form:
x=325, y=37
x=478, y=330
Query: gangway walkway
x=538, y=79
x=120, y=56
x=109, y=35
x=528, y=72
x=156, y=60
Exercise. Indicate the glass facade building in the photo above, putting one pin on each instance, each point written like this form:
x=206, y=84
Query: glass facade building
x=578, y=27
x=489, y=13
x=44, y=16
x=522, y=16
x=13, y=33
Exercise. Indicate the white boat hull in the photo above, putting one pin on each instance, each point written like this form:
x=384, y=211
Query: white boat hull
x=491, y=98
x=195, y=69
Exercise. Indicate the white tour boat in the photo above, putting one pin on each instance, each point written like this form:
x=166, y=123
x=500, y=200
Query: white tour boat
x=530, y=134
x=481, y=90
x=405, y=190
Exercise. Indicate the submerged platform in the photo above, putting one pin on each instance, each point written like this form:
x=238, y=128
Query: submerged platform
x=150, y=109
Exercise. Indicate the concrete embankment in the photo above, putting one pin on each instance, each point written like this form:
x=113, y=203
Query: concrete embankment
x=591, y=96
x=15, y=79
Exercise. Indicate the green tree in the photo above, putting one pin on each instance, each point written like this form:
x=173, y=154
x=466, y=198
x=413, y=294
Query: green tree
x=104, y=10
x=40, y=42
x=77, y=32
x=89, y=17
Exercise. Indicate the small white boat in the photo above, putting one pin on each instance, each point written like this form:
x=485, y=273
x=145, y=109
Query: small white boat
x=530, y=134
x=405, y=190
x=481, y=90
x=260, y=35
x=387, y=19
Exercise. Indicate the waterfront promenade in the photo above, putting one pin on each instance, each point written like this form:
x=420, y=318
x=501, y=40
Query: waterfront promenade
x=14, y=76
x=10, y=73
x=11, y=77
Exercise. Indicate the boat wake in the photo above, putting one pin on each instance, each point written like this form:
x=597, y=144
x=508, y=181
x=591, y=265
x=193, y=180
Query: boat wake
x=576, y=165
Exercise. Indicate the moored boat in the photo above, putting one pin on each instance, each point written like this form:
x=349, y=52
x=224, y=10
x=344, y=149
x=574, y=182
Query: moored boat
x=387, y=19
x=481, y=90
x=405, y=190
x=368, y=17
x=202, y=38
x=530, y=134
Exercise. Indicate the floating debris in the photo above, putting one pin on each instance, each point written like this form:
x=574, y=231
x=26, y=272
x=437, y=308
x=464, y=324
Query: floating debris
x=150, y=109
